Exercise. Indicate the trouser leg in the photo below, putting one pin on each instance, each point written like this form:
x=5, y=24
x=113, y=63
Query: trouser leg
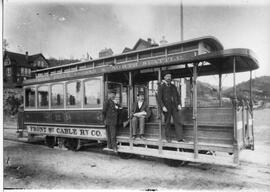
x=142, y=125
x=108, y=133
x=168, y=124
x=113, y=136
x=134, y=125
x=177, y=124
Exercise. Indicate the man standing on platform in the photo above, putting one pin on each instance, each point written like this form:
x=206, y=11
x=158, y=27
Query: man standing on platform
x=169, y=101
x=110, y=114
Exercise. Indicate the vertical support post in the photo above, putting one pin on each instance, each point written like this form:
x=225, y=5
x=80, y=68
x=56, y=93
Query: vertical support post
x=36, y=97
x=160, y=116
x=234, y=79
x=130, y=105
x=50, y=98
x=250, y=87
x=65, y=98
x=105, y=86
x=243, y=125
x=191, y=92
x=105, y=89
x=248, y=124
x=220, y=89
x=195, y=111
x=24, y=97
x=83, y=92
x=251, y=109
x=235, y=140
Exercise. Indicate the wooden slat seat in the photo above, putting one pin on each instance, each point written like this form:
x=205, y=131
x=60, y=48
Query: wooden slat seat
x=219, y=131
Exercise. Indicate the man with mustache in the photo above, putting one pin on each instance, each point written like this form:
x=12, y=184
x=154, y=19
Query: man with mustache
x=169, y=101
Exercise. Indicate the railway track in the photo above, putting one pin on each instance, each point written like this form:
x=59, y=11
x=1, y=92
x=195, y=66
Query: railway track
x=94, y=147
x=23, y=141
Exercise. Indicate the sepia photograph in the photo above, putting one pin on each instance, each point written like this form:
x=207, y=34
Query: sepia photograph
x=136, y=95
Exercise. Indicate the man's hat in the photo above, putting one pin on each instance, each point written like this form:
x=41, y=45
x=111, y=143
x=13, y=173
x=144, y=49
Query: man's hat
x=112, y=91
x=140, y=93
x=166, y=73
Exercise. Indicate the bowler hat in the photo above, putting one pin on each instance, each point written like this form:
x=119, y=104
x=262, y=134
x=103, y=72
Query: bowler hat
x=166, y=73
x=140, y=93
x=112, y=91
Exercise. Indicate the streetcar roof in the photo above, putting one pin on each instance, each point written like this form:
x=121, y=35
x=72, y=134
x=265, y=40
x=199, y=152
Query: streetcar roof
x=214, y=42
x=219, y=62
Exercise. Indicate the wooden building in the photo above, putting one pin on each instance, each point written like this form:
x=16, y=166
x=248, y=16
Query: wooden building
x=18, y=67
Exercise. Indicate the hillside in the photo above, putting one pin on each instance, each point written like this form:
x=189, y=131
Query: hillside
x=56, y=62
x=260, y=89
x=208, y=94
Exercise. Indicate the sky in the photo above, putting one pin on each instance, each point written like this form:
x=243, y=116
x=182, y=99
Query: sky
x=71, y=29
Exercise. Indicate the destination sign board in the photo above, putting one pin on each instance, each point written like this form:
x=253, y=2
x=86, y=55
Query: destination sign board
x=90, y=133
x=131, y=65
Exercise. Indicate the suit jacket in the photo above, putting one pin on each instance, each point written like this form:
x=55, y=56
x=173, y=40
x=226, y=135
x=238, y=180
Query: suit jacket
x=144, y=107
x=168, y=96
x=110, y=112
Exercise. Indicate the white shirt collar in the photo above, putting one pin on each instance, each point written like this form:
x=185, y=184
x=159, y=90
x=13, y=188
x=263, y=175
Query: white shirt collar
x=140, y=104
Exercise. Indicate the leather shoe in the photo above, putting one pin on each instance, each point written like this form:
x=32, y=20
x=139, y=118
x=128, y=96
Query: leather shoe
x=142, y=137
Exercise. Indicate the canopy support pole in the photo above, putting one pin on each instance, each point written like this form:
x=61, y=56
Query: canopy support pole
x=160, y=116
x=195, y=111
x=250, y=86
x=235, y=139
x=130, y=106
x=191, y=92
x=220, y=89
x=251, y=109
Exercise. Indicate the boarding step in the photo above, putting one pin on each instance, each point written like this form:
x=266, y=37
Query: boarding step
x=175, y=144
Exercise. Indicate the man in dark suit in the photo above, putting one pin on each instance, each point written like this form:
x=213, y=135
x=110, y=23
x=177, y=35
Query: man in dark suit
x=110, y=114
x=170, y=103
x=140, y=113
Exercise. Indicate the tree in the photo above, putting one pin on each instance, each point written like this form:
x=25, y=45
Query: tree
x=5, y=44
x=57, y=62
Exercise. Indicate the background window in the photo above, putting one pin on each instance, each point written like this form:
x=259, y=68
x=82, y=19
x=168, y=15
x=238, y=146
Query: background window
x=22, y=70
x=28, y=71
x=74, y=94
x=30, y=97
x=8, y=70
x=43, y=96
x=153, y=87
x=92, y=93
x=7, y=62
x=117, y=88
x=125, y=97
x=57, y=95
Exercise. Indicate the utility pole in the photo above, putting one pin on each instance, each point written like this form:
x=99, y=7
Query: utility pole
x=181, y=20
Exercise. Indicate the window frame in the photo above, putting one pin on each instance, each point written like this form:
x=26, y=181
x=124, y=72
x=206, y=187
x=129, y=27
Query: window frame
x=35, y=97
x=65, y=106
x=101, y=93
x=37, y=100
x=63, y=93
x=66, y=94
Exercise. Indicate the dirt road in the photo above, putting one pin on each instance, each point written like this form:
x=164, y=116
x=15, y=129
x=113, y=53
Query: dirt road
x=39, y=167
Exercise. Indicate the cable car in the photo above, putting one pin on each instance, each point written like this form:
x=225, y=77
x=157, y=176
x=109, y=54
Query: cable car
x=65, y=102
